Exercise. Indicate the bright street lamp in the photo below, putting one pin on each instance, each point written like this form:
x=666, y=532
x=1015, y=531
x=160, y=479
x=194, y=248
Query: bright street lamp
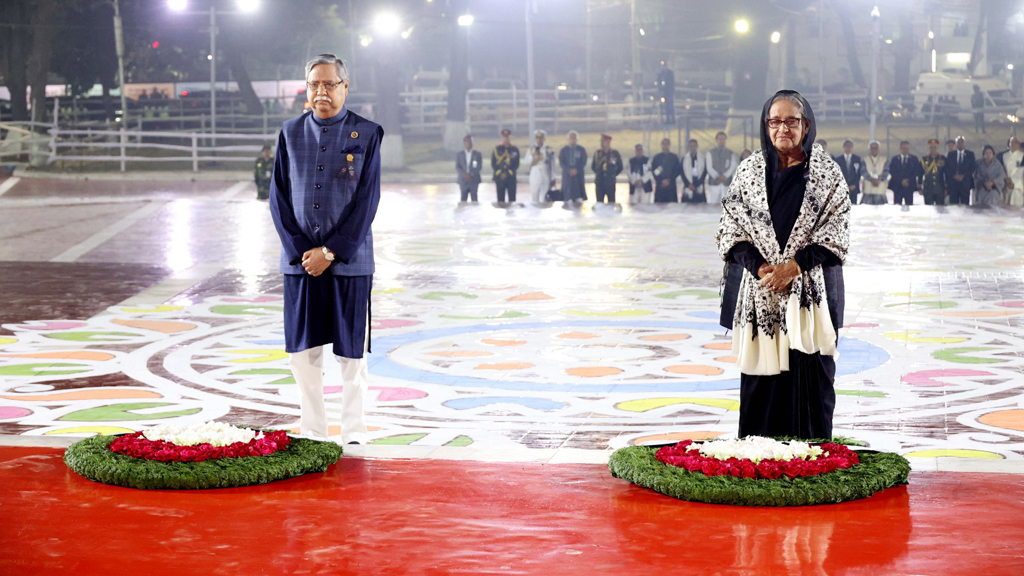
x=177, y=5
x=776, y=37
x=466, y=20
x=248, y=5
x=742, y=26
x=387, y=24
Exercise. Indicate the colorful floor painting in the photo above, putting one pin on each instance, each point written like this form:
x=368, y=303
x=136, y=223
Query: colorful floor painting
x=562, y=333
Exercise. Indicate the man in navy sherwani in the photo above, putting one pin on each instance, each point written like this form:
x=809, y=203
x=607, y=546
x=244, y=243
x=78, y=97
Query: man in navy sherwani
x=324, y=197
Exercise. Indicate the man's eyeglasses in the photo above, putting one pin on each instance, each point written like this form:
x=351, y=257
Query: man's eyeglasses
x=791, y=123
x=328, y=86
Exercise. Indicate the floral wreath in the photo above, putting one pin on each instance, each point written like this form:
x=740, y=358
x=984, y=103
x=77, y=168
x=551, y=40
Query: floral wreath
x=826, y=473
x=199, y=459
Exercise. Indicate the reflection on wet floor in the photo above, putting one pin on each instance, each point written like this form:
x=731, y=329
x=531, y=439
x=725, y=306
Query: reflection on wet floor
x=498, y=518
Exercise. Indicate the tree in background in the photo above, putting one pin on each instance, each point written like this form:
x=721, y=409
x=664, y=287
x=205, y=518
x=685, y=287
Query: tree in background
x=26, y=47
x=15, y=46
x=86, y=24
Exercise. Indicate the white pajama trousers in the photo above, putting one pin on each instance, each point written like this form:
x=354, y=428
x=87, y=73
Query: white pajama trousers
x=307, y=368
x=540, y=183
x=716, y=192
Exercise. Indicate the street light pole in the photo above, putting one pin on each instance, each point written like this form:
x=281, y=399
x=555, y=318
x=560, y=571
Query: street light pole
x=352, y=42
x=635, y=50
x=589, y=43
x=876, y=33
x=213, y=76
x=529, y=67
x=821, y=53
x=119, y=45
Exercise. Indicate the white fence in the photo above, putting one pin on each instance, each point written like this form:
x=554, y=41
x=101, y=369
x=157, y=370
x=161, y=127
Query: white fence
x=187, y=138
x=24, y=139
x=487, y=110
x=423, y=112
x=134, y=146
x=42, y=144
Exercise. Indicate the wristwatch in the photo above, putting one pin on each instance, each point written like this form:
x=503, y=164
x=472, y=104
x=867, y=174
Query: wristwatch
x=328, y=254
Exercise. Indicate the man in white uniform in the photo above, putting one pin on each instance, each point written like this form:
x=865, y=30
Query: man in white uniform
x=542, y=168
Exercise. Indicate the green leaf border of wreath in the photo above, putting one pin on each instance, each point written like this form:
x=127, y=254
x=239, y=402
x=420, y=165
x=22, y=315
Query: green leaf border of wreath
x=93, y=459
x=876, y=472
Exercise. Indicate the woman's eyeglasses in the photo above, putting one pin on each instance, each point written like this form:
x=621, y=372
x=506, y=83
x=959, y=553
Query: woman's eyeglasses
x=791, y=123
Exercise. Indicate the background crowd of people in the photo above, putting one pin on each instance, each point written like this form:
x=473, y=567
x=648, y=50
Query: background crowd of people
x=696, y=176
x=955, y=176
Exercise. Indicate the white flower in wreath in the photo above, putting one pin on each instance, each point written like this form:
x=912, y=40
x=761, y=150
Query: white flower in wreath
x=213, y=433
x=756, y=449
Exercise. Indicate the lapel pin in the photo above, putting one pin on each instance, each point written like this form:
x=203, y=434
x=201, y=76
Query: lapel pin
x=350, y=157
x=355, y=134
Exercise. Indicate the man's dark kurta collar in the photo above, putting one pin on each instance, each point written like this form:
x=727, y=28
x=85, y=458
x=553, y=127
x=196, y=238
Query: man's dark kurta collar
x=329, y=121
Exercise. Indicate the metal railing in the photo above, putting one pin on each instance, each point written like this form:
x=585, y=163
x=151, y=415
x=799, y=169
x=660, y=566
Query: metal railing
x=123, y=146
x=24, y=142
x=188, y=138
x=424, y=112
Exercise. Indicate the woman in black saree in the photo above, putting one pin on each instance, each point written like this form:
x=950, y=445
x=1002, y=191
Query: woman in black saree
x=784, y=234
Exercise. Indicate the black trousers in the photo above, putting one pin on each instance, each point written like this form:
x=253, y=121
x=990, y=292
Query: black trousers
x=605, y=190
x=798, y=403
x=506, y=186
x=853, y=196
x=667, y=194
x=935, y=198
x=469, y=191
x=903, y=197
x=959, y=194
x=670, y=109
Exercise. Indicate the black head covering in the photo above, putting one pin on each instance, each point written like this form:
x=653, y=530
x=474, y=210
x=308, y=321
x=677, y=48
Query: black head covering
x=768, y=147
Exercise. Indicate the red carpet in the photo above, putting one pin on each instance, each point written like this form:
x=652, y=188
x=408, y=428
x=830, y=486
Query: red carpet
x=428, y=517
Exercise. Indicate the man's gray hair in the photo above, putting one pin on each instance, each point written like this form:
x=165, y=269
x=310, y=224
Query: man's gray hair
x=328, y=59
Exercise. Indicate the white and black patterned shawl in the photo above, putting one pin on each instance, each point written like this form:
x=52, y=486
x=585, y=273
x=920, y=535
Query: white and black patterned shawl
x=766, y=325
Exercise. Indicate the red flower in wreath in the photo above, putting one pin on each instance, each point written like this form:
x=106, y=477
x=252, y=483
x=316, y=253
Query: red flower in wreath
x=835, y=457
x=137, y=445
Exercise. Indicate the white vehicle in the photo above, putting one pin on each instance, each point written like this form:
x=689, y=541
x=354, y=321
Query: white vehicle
x=951, y=93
